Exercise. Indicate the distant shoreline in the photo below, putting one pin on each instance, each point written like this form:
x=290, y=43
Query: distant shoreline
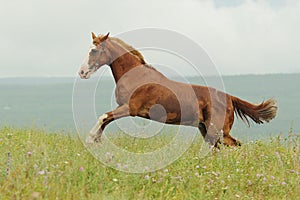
x=109, y=76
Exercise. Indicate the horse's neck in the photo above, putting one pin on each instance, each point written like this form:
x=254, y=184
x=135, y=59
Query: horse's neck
x=122, y=64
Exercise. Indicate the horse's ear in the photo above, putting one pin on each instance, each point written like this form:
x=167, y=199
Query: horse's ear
x=105, y=37
x=93, y=35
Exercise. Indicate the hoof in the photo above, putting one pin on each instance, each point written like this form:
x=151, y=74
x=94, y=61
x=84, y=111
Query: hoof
x=93, y=139
x=90, y=140
x=238, y=143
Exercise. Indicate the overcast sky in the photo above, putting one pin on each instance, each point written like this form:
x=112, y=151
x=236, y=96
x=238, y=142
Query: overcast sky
x=51, y=38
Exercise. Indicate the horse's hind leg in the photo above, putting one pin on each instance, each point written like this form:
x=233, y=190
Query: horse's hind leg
x=217, y=133
x=230, y=141
x=104, y=120
x=202, y=129
x=209, y=134
x=227, y=138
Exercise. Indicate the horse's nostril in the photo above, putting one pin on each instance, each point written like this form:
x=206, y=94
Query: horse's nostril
x=81, y=72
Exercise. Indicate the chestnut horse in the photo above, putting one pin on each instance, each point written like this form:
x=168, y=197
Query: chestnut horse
x=144, y=92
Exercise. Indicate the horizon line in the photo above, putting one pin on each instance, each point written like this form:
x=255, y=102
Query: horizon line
x=190, y=76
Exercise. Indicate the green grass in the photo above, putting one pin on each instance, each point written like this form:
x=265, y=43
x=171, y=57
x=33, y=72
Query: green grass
x=55, y=166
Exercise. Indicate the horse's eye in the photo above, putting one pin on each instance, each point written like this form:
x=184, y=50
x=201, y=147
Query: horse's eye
x=94, y=50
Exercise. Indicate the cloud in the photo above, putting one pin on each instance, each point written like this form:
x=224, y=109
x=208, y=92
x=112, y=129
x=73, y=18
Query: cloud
x=50, y=38
x=256, y=38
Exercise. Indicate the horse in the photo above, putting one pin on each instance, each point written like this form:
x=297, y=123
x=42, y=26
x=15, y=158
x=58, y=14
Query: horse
x=142, y=91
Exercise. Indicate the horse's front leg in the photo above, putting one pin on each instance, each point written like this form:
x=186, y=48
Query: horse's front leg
x=104, y=120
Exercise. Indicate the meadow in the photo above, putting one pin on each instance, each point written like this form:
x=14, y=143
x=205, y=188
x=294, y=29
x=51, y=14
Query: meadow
x=37, y=164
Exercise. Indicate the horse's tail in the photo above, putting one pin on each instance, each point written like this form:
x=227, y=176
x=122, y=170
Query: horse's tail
x=259, y=113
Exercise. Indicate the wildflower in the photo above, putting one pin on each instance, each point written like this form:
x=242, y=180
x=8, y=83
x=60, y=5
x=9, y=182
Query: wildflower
x=147, y=177
x=29, y=153
x=177, y=177
x=283, y=183
x=249, y=182
x=81, y=169
x=35, y=195
x=109, y=156
x=272, y=177
x=125, y=167
x=197, y=166
x=214, y=173
x=115, y=180
x=225, y=188
x=166, y=170
x=118, y=165
x=292, y=171
x=197, y=174
x=35, y=166
x=258, y=175
x=264, y=179
x=204, y=167
x=42, y=172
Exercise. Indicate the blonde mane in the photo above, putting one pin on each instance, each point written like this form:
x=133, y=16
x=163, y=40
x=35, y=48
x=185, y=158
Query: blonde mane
x=129, y=48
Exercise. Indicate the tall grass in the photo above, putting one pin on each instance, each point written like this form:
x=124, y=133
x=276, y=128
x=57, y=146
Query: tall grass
x=39, y=165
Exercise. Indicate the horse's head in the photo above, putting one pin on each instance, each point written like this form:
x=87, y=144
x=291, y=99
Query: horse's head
x=98, y=56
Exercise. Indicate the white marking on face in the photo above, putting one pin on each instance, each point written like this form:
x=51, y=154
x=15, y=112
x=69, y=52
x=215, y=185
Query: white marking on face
x=92, y=47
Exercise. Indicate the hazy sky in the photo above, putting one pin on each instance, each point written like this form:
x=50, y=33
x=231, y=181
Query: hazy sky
x=51, y=38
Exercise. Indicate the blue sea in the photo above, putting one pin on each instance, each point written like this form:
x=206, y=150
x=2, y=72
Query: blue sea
x=46, y=103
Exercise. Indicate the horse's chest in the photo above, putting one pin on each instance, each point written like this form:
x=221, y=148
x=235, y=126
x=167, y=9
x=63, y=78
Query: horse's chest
x=122, y=95
x=128, y=85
